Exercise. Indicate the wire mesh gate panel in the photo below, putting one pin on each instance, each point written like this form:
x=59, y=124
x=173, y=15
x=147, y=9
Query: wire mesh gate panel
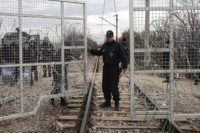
x=43, y=53
x=165, y=55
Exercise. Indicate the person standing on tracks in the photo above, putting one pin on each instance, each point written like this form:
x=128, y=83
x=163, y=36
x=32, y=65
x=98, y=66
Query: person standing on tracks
x=112, y=55
x=47, y=53
x=166, y=58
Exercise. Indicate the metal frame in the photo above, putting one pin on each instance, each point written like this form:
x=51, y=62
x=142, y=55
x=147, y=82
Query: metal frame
x=132, y=58
x=171, y=12
x=85, y=45
x=42, y=98
x=38, y=16
x=165, y=8
x=62, y=18
x=157, y=114
x=20, y=54
x=71, y=1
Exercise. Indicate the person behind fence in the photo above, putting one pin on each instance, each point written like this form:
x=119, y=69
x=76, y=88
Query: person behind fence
x=7, y=58
x=0, y=60
x=33, y=57
x=57, y=78
x=7, y=53
x=26, y=59
x=47, y=52
x=166, y=58
x=112, y=55
x=26, y=53
x=15, y=47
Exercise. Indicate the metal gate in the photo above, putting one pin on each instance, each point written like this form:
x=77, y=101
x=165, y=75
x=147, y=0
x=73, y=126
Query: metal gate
x=164, y=58
x=43, y=53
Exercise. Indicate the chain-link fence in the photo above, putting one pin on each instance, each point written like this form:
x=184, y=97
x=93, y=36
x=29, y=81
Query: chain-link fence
x=165, y=57
x=43, y=54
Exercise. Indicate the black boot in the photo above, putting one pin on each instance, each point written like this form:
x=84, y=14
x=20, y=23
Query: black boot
x=167, y=79
x=106, y=104
x=45, y=75
x=62, y=102
x=116, y=105
x=36, y=76
x=31, y=82
x=196, y=82
x=49, y=74
x=15, y=79
x=52, y=101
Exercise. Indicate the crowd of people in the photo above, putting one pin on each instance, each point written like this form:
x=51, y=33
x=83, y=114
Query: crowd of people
x=32, y=53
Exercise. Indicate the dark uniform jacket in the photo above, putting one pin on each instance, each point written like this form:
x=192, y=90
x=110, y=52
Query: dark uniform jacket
x=15, y=48
x=112, y=54
x=8, y=54
x=166, y=57
x=125, y=48
x=33, y=53
x=47, y=52
x=26, y=55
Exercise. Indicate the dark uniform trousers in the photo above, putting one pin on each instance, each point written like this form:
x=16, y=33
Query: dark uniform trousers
x=166, y=64
x=112, y=56
x=57, y=80
x=110, y=82
x=45, y=68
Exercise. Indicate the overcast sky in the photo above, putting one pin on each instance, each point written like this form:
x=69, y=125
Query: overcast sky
x=95, y=9
x=96, y=27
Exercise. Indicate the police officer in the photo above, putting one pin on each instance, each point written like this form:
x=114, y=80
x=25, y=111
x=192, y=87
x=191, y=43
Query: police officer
x=1, y=55
x=26, y=53
x=166, y=58
x=33, y=57
x=8, y=53
x=112, y=55
x=47, y=52
x=8, y=58
x=26, y=57
x=125, y=46
x=15, y=47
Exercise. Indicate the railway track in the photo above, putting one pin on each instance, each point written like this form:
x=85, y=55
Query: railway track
x=69, y=121
x=83, y=114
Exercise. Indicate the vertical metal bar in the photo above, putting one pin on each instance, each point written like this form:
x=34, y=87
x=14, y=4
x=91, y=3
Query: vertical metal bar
x=117, y=26
x=62, y=48
x=20, y=54
x=132, y=60
x=147, y=32
x=171, y=57
x=85, y=44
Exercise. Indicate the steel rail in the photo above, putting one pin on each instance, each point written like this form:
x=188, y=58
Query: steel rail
x=89, y=100
x=169, y=124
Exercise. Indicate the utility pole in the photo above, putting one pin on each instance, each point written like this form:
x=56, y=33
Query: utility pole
x=115, y=25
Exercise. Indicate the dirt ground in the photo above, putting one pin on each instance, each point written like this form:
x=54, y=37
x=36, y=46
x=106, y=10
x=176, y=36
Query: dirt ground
x=184, y=101
x=44, y=120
